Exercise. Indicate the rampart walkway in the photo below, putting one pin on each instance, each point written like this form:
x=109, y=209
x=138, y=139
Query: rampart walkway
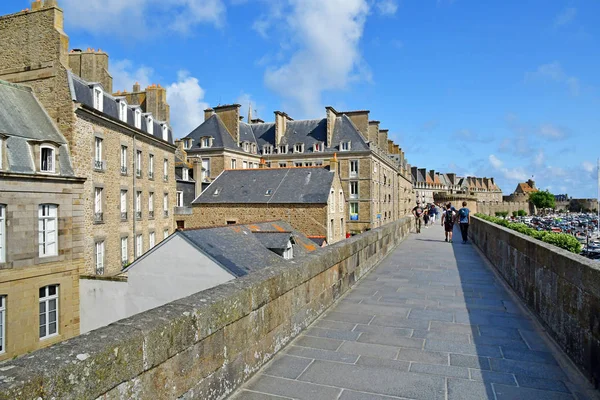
x=431, y=322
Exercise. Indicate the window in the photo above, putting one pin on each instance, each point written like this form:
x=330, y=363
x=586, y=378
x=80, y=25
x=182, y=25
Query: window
x=48, y=311
x=2, y=235
x=2, y=324
x=217, y=191
x=123, y=205
x=374, y=167
x=288, y=253
x=353, y=168
x=233, y=164
x=47, y=230
x=354, y=190
x=166, y=204
x=283, y=149
x=246, y=146
x=137, y=120
x=345, y=146
x=269, y=192
x=187, y=144
x=165, y=132
x=308, y=164
x=151, y=166
x=166, y=170
x=353, y=211
x=98, y=151
x=205, y=142
x=138, y=163
x=185, y=174
x=151, y=240
x=165, y=234
x=341, y=201
x=98, y=99
x=319, y=163
x=254, y=148
x=245, y=164
x=150, y=125
x=124, y=160
x=46, y=159
x=267, y=149
x=138, y=205
x=138, y=246
x=124, y=251
x=1, y=149
x=179, y=199
x=98, y=207
x=123, y=110
x=332, y=201
x=318, y=147
x=205, y=169
x=297, y=163
x=100, y=258
x=282, y=165
x=151, y=204
x=299, y=148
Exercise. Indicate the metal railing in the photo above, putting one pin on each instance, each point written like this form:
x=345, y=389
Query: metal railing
x=151, y=214
x=99, y=165
x=123, y=170
x=138, y=215
x=99, y=217
x=150, y=175
x=123, y=215
x=166, y=178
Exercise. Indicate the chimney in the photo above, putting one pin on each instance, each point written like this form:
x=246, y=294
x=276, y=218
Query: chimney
x=36, y=5
x=390, y=146
x=452, y=178
x=230, y=116
x=156, y=103
x=360, y=119
x=262, y=163
x=91, y=66
x=257, y=121
x=334, y=164
x=396, y=149
x=136, y=87
x=383, y=137
x=208, y=113
x=180, y=151
x=374, y=132
x=331, y=118
x=281, y=120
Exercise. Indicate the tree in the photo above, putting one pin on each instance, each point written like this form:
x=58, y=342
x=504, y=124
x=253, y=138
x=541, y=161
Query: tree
x=542, y=200
x=522, y=213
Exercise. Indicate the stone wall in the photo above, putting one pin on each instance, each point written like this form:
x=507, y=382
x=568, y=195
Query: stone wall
x=491, y=207
x=562, y=289
x=206, y=345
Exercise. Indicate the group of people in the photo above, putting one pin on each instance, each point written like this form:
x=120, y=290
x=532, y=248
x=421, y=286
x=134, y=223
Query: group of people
x=426, y=215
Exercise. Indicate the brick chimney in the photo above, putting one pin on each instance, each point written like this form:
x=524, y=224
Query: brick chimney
x=92, y=66
x=390, y=146
x=156, y=102
x=334, y=164
x=281, y=120
x=208, y=113
x=331, y=118
x=360, y=119
x=383, y=137
x=373, y=136
x=230, y=116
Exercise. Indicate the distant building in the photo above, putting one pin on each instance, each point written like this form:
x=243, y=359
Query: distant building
x=186, y=186
x=522, y=192
x=188, y=262
x=310, y=199
x=373, y=170
x=41, y=227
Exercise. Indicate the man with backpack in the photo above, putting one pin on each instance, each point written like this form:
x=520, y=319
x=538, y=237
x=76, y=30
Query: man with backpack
x=448, y=222
x=418, y=213
x=464, y=219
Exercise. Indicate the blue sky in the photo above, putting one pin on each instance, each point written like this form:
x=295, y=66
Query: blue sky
x=508, y=89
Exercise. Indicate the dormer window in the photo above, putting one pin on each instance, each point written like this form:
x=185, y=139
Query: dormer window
x=137, y=118
x=165, y=132
x=269, y=192
x=98, y=98
x=283, y=149
x=267, y=149
x=288, y=253
x=47, y=159
x=246, y=146
x=299, y=148
x=254, y=149
x=205, y=142
x=185, y=174
x=318, y=147
x=217, y=192
x=150, y=125
x=123, y=110
x=345, y=146
x=187, y=144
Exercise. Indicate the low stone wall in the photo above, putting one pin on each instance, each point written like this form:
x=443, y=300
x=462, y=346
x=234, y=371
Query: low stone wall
x=206, y=345
x=561, y=288
x=491, y=207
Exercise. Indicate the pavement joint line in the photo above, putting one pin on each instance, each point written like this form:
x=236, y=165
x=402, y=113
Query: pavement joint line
x=369, y=323
x=494, y=391
x=311, y=383
x=446, y=388
x=336, y=350
x=268, y=394
x=304, y=370
x=517, y=382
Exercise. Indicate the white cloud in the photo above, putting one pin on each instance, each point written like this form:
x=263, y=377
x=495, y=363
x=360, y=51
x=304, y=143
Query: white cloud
x=588, y=166
x=539, y=158
x=186, y=99
x=141, y=18
x=553, y=72
x=495, y=162
x=246, y=100
x=513, y=174
x=565, y=17
x=327, y=55
x=124, y=75
x=551, y=132
x=387, y=7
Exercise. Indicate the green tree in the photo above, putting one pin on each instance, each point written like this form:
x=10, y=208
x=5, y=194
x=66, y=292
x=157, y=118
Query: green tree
x=515, y=214
x=522, y=213
x=543, y=199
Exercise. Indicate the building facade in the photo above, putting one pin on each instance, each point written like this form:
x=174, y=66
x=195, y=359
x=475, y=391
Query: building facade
x=372, y=169
x=41, y=228
x=125, y=152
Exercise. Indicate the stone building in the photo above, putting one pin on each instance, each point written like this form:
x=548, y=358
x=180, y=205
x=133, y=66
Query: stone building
x=310, y=199
x=186, y=185
x=522, y=192
x=125, y=152
x=41, y=227
x=373, y=170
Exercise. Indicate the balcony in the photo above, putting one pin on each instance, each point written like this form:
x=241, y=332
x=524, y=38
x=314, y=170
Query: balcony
x=123, y=170
x=151, y=214
x=98, y=217
x=151, y=175
x=353, y=174
x=100, y=270
x=99, y=165
x=123, y=215
x=138, y=215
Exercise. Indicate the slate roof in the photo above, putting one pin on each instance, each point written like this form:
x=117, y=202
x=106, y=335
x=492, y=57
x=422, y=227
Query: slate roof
x=307, y=132
x=82, y=92
x=525, y=188
x=22, y=120
x=287, y=185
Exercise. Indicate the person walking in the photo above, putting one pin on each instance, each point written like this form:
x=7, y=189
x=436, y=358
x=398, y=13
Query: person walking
x=418, y=213
x=426, y=217
x=432, y=214
x=464, y=219
x=448, y=222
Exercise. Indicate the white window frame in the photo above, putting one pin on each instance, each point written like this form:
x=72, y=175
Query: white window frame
x=138, y=163
x=179, y=198
x=151, y=166
x=205, y=142
x=341, y=201
x=124, y=159
x=185, y=174
x=151, y=240
x=151, y=201
x=244, y=164
x=139, y=245
x=318, y=147
x=98, y=98
x=288, y=253
x=165, y=132
x=46, y=300
x=123, y=201
x=352, y=205
x=165, y=169
x=2, y=324
x=124, y=250
x=233, y=163
x=282, y=149
x=345, y=146
x=99, y=254
x=138, y=201
x=98, y=206
x=165, y=234
x=51, y=160
x=299, y=148
x=267, y=149
x=150, y=125
x=354, y=191
x=297, y=163
x=353, y=165
x=166, y=202
x=48, y=230
x=2, y=233
x=123, y=110
x=98, y=149
x=137, y=118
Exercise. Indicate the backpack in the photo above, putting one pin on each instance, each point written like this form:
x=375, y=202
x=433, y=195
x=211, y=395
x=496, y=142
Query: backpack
x=449, y=217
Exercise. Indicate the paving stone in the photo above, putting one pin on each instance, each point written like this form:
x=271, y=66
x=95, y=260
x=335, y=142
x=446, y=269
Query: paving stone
x=405, y=332
x=369, y=349
x=376, y=380
x=287, y=366
x=291, y=388
x=340, y=326
x=248, y=395
x=391, y=340
x=450, y=327
x=400, y=322
x=463, y=348
x=431, y=315
x=498, y=341
x=444, y=370
x=493, y=377
x=533, y=340
x=429, y=357
x=461, y=360
x=543, y=357
x=519, y=393
x=332, y=334
x=382, y=363
x=372, y=310
x=346, y=317
x=461, y=389
x=452, y=337
x=351, y=395
x=318, y=343
x=322, y=354
x=544, y=384
x=534, y=370
x=495, y=331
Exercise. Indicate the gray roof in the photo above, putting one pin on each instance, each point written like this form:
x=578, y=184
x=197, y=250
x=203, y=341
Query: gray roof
x=82, y=92
x=307, y=132
x=273, y=240
x=22, y=120
x=287, y=185
x=240, y=249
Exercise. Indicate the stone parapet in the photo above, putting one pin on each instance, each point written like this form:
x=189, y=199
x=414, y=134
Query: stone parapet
x=562, y=289
x=206, y=345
